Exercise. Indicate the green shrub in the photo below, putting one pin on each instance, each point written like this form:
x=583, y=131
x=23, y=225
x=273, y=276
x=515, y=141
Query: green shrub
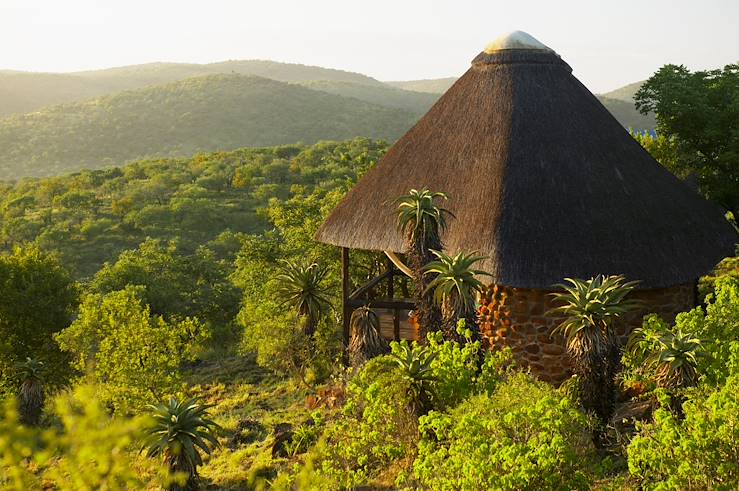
x=700, y=451
x=376, y=430
x=523, y=436
x=87, y=449
x=716, y=328
x=134, y=357
x=458, y=371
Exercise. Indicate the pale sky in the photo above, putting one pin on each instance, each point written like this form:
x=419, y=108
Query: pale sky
x=608, y=44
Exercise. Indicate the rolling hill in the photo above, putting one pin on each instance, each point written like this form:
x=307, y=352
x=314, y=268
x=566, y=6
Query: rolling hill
x=216, y=112
x=23, y=92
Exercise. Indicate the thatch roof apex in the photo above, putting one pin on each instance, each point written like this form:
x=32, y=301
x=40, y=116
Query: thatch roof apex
x=516, y=40
x=542, y=180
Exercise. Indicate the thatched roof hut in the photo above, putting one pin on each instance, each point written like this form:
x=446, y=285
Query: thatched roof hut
x=542, y=179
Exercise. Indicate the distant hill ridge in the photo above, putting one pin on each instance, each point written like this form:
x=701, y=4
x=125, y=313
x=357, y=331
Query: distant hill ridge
x=22, y=92
x=207, y=113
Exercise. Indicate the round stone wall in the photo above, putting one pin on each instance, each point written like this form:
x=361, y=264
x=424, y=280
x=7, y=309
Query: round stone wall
x=516, y=317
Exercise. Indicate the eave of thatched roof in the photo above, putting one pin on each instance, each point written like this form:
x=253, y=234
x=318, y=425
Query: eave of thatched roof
x=542, y=179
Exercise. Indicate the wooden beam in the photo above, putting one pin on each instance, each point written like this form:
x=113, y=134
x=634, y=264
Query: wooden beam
x=370, y=285
x=382, y=303
x=390, y=285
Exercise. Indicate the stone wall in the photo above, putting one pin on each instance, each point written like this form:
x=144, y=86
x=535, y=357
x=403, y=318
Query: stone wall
x=516, y=317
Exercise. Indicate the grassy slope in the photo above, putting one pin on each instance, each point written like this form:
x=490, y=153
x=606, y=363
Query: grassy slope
x=249, y=403
x=218, y=112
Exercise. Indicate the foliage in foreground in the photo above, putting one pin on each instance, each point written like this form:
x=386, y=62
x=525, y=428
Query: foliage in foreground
x=87, y=450
x=378, y=429
x=698, y=451
x=525, y=435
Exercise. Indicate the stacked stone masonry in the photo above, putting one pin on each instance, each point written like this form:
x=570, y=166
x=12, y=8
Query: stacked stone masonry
x=516, y=317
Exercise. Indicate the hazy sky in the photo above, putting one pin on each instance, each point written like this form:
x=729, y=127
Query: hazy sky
x=608, y=44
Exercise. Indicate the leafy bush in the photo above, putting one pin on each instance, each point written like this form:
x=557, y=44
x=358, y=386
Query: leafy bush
x=697, y=452
x=88, y=449
x=134, y=356
x=523, y=436
x=377, y=429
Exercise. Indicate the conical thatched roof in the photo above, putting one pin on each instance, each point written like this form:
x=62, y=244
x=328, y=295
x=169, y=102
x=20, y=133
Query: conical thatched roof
x=541, y=178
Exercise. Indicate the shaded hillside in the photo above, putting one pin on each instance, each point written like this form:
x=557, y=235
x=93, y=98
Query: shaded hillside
x=627, y=115
x=625, y=93
x=431, y=85
x=22, y=92
x=218, y=112
x=416, y=102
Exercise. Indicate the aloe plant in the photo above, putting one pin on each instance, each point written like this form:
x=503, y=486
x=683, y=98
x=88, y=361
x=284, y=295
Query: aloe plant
x=455, y=288
x=589, y=308
x=421, y=221
x=301, y=285
x=366, y=340
x=671, y=355
x=415, y=363
x=179, y=432
x=31, y=396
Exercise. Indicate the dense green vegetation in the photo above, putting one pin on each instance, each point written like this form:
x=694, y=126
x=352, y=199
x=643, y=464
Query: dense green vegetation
x=209, y=199
x=218, y=112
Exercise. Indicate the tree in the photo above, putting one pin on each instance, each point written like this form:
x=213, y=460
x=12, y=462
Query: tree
x=175, y=283
x=302, y=286
x=37, y=299
x=589, y=309
x=422, y=222
x=133, y=356
x=700, y=111
x=179, y=431
x=455, y=286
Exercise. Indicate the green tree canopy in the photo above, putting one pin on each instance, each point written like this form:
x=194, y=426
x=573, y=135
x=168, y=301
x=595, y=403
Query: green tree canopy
x=37, y=299
x=700, y=110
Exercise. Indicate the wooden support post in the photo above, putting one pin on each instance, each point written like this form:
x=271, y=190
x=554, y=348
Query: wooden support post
x=396, y=324
x=345, y=292
x=390, y=286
